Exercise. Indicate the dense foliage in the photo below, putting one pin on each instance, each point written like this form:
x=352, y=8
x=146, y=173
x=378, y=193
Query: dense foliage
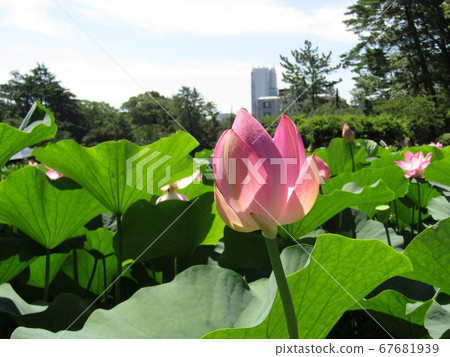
x=402, y=48
x=143, y=118
x=185, y=275
x=401, y=67
x=418, y=123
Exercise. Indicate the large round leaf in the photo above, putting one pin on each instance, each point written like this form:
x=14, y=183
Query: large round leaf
x=60, y=314
x=366, y=228
x=439, y=171
x=439, y=207
x=121, y=173
x=341, y=271
x=338, y=155
x=170, y=228
x=401, y=316
x=94, y=273
x=37, y=269
x=327, y=206
x=15, y=255
x=199, y=300
x=392, y=177
x=20, y=306
x=99, y=243
x=429, y=254
x=96, y=263
x=437, y=319
x=47, y=211
x=38, y=125
x=203, y=298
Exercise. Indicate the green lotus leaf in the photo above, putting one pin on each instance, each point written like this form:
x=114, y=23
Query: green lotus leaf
x=47, y=211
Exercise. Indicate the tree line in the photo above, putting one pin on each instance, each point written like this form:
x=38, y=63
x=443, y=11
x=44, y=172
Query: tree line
x=403, y=50
x=142, y=119
x=401, y=67
x=401, y=64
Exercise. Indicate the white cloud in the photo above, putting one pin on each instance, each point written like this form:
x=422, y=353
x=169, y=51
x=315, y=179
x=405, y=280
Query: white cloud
x=95, y=77
x=83, y=68
x=225, y=83
x=220, y=18
x=32, y=15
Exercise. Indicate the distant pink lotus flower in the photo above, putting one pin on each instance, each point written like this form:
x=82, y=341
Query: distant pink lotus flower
x=347, y=133
x=438, y=145
x=170, y=191
x=51, y=174
x=324, y=169
x=414, y=165
x=263, y=182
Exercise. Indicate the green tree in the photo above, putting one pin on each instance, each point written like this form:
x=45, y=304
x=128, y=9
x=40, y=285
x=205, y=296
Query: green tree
x=420, y=116
x=197, y=117
x=5, y=115
x=149, y=115
x=308, y=73
x=189, y=105
x=20, y=92
x=446, y=8
x=104, y=123
x=402, y=49
x=214, y=129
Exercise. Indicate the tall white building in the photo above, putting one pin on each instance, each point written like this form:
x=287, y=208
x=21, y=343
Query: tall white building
x=264, y=84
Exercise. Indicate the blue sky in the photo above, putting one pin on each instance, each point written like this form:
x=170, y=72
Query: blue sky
x=112, y=50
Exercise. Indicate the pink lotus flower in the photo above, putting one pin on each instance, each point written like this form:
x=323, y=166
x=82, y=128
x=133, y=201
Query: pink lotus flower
x=170, y=191
x=347, y=133
x=438, y=145
x=261, y=182
x=324, y=169
x=414, y=165
x=51, y=174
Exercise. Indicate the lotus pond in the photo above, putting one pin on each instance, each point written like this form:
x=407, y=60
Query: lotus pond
x=90, y=253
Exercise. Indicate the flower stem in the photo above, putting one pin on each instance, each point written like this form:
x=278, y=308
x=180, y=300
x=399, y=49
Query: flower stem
x=351, y=155
x=91, y=279
x=119, y=254
x=388, y=236
x=340, y=218
x=419, y=221
x=47, y=275
x=283, y=287
x=175, y=267
x=396, y=216
x=105, y=283
x=75, y=266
